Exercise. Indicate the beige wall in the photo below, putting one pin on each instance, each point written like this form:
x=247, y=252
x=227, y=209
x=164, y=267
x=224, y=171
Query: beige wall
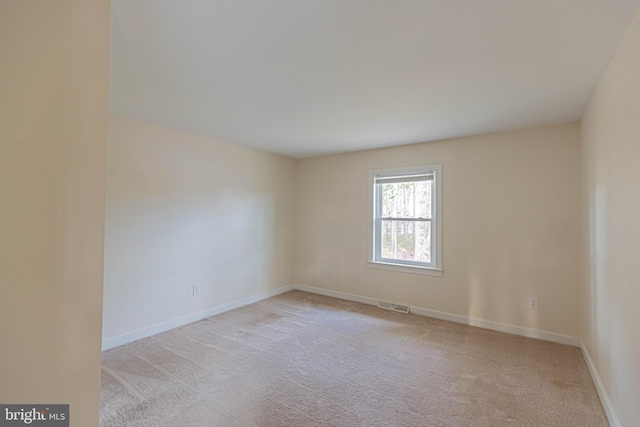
x=510, y=229
x=53, y=120
x=611, y=271
x=184, y=209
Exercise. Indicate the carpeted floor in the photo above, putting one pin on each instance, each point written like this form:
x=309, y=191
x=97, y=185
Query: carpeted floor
x=301, y=359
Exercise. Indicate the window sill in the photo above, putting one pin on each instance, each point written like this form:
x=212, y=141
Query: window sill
x=406, y=268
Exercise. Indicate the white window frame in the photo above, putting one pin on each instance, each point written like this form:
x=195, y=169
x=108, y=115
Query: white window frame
x=375, y=260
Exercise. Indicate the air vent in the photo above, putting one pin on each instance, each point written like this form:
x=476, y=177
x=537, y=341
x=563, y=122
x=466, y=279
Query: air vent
x=395, y=307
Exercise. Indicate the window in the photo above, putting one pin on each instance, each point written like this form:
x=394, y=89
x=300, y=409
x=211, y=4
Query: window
x=406, y=222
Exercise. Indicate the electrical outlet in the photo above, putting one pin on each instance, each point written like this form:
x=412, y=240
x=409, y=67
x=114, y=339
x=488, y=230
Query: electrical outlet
x=327, y=272
x=196, y=290
x=533, y=303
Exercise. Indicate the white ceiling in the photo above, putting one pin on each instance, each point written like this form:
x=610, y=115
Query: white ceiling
x=304, y=78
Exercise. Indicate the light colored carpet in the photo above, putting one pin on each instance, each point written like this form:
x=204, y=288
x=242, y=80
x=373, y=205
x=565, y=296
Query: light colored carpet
x=301, y=359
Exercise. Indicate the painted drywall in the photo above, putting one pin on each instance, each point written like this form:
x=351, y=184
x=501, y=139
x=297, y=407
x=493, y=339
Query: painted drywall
x=185, y=210
x=53, y=125
x=510, y=227
x=610, y=132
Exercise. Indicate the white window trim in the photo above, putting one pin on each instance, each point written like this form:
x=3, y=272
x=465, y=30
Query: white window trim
x=436, y=269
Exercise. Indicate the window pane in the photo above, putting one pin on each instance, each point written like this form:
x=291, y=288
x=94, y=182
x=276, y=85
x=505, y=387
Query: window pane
x=406, y=240
x=407, y=199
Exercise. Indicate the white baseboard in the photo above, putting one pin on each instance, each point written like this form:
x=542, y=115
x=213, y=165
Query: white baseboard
x=148, y=331
x=602, y=392
x=336, y=294
x=499, y=327
x=480, y=323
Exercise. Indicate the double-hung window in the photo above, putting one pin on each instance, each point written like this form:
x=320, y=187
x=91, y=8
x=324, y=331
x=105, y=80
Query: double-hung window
x=406, y=226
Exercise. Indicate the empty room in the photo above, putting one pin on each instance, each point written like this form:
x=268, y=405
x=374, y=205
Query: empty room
x=319, y=213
